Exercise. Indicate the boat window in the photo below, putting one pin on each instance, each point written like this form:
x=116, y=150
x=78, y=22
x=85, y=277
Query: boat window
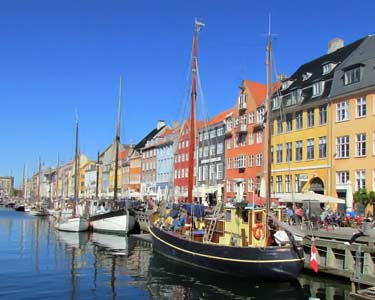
x=258, y=218
x=228, y=215
x=245, y=216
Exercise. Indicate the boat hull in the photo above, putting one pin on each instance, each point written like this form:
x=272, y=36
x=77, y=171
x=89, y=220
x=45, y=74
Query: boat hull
x=38, y=213
x=117, y=222
x=271, y=263
x=73, y=225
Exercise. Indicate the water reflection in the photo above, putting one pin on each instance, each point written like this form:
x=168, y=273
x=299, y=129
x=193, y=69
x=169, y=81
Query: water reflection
x=79, y=266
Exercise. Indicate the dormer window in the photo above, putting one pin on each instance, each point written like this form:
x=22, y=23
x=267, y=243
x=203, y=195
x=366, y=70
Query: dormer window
x=242, y=101
x=286, y=84
x=306, y=76
x=352, y=76
x=276, y=102
x=318, y=88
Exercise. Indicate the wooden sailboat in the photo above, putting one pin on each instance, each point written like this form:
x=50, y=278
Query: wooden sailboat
x=76, y=222
x=38, y=210
x=118, y=221
x=236, y=239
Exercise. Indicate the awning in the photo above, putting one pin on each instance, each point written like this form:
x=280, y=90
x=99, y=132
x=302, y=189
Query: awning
x=299, y=197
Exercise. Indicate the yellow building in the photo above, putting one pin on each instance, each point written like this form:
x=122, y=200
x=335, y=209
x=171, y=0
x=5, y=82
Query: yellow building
x=302, y=127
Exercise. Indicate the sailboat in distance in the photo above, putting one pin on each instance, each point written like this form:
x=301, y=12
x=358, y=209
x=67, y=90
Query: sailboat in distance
x=235, y=239
x=115, y=220
x=76, y=222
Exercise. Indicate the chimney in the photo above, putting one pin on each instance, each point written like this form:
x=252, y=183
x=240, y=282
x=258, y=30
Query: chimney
x=160, y=124
x=281, y=77
x=335, y=44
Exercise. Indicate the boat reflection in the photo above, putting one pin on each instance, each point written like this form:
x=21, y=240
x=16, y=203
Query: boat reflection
x=171, y=280
x=114, y=244
x=72, y=239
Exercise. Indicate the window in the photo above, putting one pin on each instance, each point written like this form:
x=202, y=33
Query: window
x=298, y=183
x=352, y=76
x=318, y=88
x=251, y=138
x=361, y=107
x=239, y=161
x=229, y=189
x=205, y=151
x=212, y=133
x=342, y=177
x=229, y=124
x=288, y=121
x=236, y=122
x=251, y=117
x=250, y=186
x=251, y=160
x=260, y=115
x=279, y=126
x=299, y=120
x=322, y=147
x=242, y=140
x=323, y=115
x=271, y=154
x=259, y=159
x=212, y=150
x=236, y=141
x=219, y=148
x=342, y=111
x=310, y=149
x=205, y=172
x=200, y=173
x=259, y=137
x=243, y=119
x=200, y=151
x=212, y=172
x=229, y=144
x=327, y=68
x=288, y=183
x=219, y=171
x=361, y=144
x=298, y=150
x=310, y=118
x=242, y=101
x=229, y=163
x=342, y=147
x=205, y=135
x=288, y=147
x=360, y=179
x=279, y=182
x=279, y=153
x=220, y=131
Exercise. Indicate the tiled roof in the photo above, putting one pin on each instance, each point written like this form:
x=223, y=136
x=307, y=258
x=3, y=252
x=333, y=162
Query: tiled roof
x=315, y=67
x=258, y=91
x=219, y=118
x=124, y=153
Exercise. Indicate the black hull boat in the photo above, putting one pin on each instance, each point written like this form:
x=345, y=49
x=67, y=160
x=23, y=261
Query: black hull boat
x=271, y=263
x=20, y=208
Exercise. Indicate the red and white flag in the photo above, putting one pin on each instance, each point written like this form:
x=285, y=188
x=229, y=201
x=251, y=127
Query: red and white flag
x=313, y=258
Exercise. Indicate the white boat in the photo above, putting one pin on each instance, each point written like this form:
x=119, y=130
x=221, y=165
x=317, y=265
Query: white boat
x=37, y=212
x=76, y=222
x=119, y=221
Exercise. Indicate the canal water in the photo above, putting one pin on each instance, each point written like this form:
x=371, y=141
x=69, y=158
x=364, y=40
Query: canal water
x=37, y=262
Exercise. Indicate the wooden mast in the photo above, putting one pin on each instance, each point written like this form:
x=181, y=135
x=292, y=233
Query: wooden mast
x=39, y=179
x=268, y=123
x=117, y=140
x=197, y=27
x=97, y=178
x=76, y=175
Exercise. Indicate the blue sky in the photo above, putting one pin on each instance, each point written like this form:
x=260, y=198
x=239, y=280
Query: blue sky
x=61, y=56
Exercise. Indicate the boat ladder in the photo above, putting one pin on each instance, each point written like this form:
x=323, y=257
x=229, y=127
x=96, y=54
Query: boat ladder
x=211, y=227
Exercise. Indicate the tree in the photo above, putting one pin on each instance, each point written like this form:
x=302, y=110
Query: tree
x=372, y=201
x=361, y=196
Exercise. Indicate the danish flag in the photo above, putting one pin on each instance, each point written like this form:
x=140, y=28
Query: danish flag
x=313, y=258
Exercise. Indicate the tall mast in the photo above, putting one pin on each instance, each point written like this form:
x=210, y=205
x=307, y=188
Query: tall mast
x=76, y=175
x=268, y=123
x=97, y=178
x=39, y=179
x=197, y=27
x=117, y=140
x=24, y=181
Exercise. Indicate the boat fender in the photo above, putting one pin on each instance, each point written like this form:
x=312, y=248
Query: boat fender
x=258, y=231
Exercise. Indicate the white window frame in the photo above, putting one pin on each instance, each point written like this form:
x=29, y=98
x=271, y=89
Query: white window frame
x=361, y=145
x=360, y=179
x=361, y=107
x=342, y=146
x=342, y=111
x=342, y=177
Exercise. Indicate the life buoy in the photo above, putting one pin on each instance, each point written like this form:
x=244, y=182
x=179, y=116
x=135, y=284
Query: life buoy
x=258, y=231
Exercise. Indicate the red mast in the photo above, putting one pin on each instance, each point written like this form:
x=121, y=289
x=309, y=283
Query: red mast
x=198, y=26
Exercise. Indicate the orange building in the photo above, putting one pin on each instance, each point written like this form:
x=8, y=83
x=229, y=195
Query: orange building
x=244, y=143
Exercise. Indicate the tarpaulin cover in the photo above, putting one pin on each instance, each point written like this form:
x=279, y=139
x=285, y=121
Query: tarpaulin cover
x=194, y=210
